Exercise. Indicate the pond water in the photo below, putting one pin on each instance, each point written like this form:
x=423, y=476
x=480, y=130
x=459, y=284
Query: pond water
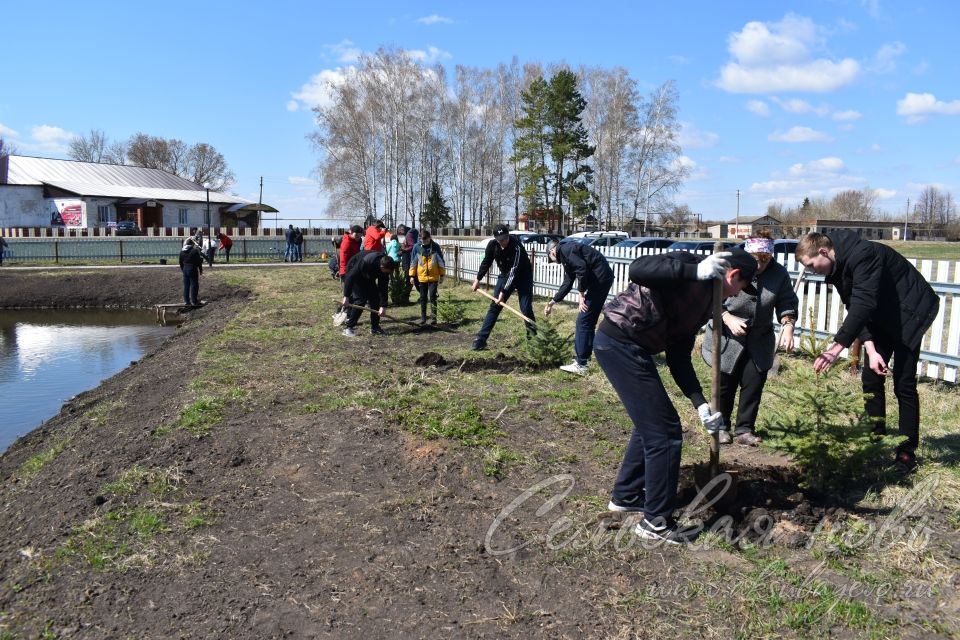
x=47, y=357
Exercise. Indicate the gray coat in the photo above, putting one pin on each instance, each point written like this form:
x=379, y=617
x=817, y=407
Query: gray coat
x=774, y=292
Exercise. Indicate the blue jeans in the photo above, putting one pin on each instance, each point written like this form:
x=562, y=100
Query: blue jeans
x=587, y=322
x=651, y=465
x=191, y=285
x=524, y=289
x=290, y=252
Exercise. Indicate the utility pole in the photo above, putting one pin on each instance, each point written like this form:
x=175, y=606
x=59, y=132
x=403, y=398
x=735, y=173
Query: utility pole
x=737, y=228
x=905, y=218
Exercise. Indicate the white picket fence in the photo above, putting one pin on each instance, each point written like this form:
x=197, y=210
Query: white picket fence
x=821, y=310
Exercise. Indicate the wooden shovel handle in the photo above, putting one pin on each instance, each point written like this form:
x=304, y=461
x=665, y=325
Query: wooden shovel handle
x=506, y=306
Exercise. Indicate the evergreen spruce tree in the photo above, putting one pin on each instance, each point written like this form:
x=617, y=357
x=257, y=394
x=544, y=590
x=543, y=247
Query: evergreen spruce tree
x=435, y=213
x=548, y=348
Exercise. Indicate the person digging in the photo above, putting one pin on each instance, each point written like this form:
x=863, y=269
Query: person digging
x=670, y=297
x=515, y=274
x=366, y=282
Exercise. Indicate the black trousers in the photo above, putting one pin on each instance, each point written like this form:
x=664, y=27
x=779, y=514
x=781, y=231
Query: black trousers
x=750, y=381
x=365, y=294
x=904, y=387
x=428, y=291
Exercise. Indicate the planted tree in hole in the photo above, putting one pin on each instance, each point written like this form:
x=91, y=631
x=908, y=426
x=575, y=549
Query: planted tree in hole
x=400, y=288
x=548, y=348
x=823, y=427
x=451, y=311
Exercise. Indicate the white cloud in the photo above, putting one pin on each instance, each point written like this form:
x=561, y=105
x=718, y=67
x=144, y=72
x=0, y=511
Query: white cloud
x=872, y=7
x=823, y=176
x=885, y=194
x=776, y=57
x=434, y=19
x=678, y=59
x=758, y=107
x=885, y=60
x=846, y=116
x=920, y=69
x=317, y=91
x=799, y=134
x=730, y=160
x=918, y=106
x=956, y=160
x=694, y=170
x=692, y=138
x=300, y=181
x=7, y=132
x=876, y=148
x=344, y=51
x=431, y=55
x=50, y=139
x=796, y=105
x=920, y=186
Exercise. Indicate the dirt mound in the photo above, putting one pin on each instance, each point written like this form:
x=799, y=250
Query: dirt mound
x=499, y=363
x=430, y=359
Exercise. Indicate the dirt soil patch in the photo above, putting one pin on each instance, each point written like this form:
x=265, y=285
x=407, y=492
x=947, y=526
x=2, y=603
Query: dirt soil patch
x=262, y=476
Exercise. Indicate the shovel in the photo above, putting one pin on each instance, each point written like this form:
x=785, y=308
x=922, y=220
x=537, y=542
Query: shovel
x=704, y=475
x=506, y=306
x=775, y=367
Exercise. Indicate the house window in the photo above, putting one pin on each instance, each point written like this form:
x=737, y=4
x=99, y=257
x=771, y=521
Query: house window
x=103, y=214
x=183, y=217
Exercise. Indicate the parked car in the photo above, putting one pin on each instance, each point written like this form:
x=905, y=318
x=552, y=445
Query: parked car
x=127, y=228
x=597, y=238
x=644, y=243
x=699, y=245
x=540, y=238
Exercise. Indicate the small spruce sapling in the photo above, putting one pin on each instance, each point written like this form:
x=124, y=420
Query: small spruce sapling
x=399, y=288
x=451, y=310
x=548, y=348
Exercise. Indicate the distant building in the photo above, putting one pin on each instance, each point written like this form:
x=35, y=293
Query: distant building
x=44, y=192
x=872, y=229
x=745, y=226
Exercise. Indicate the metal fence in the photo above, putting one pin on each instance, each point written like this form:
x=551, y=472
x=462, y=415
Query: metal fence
x=821, y=311
x=141, y=249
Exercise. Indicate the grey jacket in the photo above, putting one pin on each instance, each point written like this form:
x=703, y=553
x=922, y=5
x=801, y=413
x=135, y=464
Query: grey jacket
x=774, y=292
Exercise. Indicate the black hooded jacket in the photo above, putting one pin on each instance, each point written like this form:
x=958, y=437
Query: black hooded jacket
x=584, y=263
x=363, y=273
x=885, y=295
x=513, y=263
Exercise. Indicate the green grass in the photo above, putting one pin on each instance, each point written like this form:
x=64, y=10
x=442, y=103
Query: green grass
x=927, y=250
x=200, y=416
x=35, y=463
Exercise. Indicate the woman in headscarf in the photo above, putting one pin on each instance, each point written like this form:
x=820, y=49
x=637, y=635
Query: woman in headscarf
x=748, y=342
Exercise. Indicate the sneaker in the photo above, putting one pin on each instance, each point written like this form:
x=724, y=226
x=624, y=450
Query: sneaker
x=724, y=437
x=377, y=331
x=349, y=332
x=479, y=346
x=747, y=439
x=904, y=464
x=575, y=368
x=625, y=506
x=669, y=532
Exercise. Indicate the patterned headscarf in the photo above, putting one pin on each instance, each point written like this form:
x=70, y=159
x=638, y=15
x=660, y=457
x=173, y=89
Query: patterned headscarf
x=758, y=245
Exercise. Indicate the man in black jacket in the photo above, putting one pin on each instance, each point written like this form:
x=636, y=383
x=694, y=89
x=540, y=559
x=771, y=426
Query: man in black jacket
x=676, y=291
x=515, y=273
x=365, y=282
x=594, y=279
x=889, y=307
x=191, y=265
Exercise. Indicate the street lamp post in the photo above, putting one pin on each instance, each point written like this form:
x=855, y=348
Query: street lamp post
x=206, y=185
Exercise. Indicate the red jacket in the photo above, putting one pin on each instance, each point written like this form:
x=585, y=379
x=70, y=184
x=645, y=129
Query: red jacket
x=225, y=240
x=373, y=240
x=348, y=248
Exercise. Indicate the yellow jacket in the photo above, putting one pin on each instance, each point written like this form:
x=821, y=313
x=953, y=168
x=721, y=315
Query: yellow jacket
x=426, y=262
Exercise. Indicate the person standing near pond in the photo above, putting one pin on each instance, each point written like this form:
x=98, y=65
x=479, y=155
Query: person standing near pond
x=594, y=278
x=191, y=266
x=516, y=273
x=226, y=243
x=297, y=245
x=288, y=253
x=669, y=299
x=890, y=306
x=748, y=343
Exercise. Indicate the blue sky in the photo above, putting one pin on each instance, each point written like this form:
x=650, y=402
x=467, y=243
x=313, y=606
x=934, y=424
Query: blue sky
x=778, y=99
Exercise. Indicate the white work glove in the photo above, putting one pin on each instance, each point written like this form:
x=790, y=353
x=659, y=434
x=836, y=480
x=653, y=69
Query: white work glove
x=713, y=266
x=712, y=421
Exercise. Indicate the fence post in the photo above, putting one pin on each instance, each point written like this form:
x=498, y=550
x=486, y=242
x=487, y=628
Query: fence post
x=456, y=263
x=244, y=248
x=120, y=244
x=56, y=251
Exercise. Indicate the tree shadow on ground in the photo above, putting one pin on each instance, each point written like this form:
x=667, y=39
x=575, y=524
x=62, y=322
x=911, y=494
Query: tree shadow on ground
x=943, y=449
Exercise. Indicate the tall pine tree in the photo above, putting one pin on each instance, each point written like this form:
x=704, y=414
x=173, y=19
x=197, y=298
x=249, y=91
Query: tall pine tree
x=435, y=213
